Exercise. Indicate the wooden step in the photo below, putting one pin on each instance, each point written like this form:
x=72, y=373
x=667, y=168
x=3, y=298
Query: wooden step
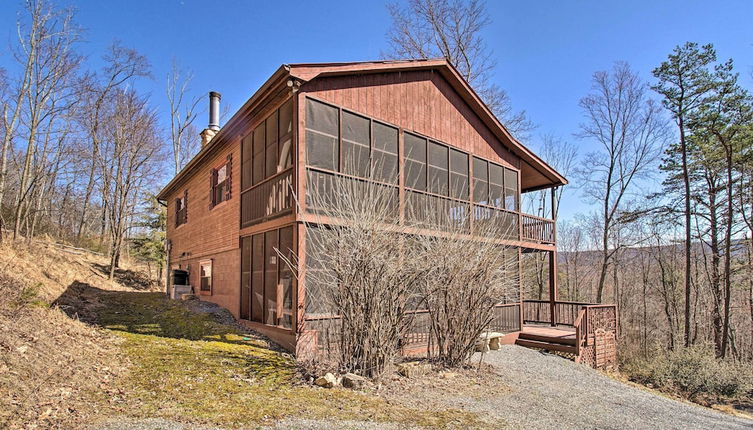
x=546, y=345
x=549, y=339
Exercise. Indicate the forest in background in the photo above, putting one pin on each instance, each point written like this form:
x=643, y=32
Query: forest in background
x=82, y=147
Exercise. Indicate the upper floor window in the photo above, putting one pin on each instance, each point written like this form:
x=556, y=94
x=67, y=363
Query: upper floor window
x=494, y=185
x=435, y=167
x=342, y=141
x=181, y=209
x=221, y=182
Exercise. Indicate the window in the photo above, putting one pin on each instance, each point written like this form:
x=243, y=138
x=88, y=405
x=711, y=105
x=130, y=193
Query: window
x=286, y=136
x=511, y=190
x=356, y=145
x=257, y=278
x=415, y=162
x=272, y=167
x=221, y=182
x=258, y=157
x=438, y=170
x=205, y=282
x=480, y=181
x=384, y=153
x=322, y=135
x=496, y=185
x=270, y=277
x=458, y=174
x=181, y=209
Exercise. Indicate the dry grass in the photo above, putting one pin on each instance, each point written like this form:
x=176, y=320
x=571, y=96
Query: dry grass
x=138, y=354
x=187, y=365
x=50, y=365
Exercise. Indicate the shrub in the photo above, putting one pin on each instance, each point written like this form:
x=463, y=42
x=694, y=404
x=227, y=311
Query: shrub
x=692, y=373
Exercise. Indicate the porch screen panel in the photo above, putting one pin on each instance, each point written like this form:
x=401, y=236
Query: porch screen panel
x=438, y=169
x=322, y=135
x=286, y=136
x=319, y=276
x=247, y=155
x=384, y=153
x=415, y=162
x=321, y=195
x=458, y=174
x=270, y=277
x=271, y=144
x=286, y=276
x=245, y=277
x=496, y=185
x=511, y=190
x=257, y=278
x=259, y=161
x=356, y=145
x=480, y=181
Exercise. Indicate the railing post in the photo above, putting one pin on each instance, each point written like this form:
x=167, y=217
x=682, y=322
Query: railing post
x=553, y=286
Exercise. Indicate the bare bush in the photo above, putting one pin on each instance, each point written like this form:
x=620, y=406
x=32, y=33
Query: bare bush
x=693, y=373
x=357, y=282
x=371, y=273
x=464, y=277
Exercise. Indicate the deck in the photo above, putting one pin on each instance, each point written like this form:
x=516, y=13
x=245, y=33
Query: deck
x=559, y=332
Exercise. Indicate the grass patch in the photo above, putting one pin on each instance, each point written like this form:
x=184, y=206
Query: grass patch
x=185, y=365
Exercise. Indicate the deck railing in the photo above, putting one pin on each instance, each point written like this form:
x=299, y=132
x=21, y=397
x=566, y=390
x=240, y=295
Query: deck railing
x=271, y=197
x=540, y=312
x=537, y=229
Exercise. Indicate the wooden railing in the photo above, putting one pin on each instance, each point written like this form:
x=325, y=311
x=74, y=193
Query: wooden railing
x=596, y=330
x=269, y=198
x=537, y=229
x=540, y=312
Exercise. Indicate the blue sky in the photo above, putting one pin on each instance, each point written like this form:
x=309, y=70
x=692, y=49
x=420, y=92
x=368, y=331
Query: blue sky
x=546, y=51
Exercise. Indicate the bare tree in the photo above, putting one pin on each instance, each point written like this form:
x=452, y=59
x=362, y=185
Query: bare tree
x=131, y=158
x=53, y=69
x=630, y=132
x=183, y=112
x=451, y=29
x=122, y=65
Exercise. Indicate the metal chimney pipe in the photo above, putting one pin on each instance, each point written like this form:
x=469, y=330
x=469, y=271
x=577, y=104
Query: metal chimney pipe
x=214, y=110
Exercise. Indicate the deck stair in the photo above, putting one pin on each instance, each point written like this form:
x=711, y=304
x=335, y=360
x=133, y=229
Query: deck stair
x=563, y=342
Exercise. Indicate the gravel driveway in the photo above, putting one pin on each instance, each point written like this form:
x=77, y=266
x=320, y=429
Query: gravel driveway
x=549, y=392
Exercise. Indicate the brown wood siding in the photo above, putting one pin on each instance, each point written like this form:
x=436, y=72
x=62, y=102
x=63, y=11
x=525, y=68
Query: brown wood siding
x=209, y=233
x=420, y=101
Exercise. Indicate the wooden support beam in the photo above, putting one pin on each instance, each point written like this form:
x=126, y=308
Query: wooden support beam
x=553, y=286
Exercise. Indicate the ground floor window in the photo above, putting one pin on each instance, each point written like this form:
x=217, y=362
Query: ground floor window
x=205, y=282
x=267, y=280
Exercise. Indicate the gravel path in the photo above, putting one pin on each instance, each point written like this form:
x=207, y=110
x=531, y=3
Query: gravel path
x=549, y=392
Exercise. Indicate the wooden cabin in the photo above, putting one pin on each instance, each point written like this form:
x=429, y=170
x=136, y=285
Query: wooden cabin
x=234, y=204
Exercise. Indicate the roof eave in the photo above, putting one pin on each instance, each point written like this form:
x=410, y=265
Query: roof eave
x=227, y=131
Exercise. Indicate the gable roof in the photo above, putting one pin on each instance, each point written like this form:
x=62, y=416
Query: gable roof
x=535, y=172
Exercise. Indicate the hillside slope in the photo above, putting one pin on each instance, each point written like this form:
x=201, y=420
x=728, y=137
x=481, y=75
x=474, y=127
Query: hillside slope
x=77, y=349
